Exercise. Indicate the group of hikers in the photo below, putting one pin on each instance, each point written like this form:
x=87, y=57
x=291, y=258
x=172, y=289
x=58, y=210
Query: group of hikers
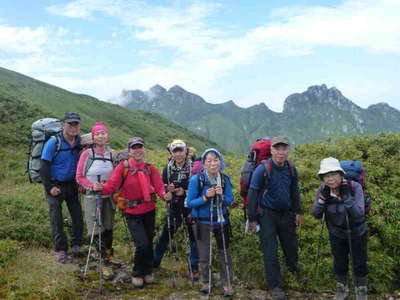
x=197, y=199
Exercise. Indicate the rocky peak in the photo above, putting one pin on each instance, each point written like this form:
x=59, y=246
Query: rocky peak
x=177, y=90
x=158, y=89
x=317, y=90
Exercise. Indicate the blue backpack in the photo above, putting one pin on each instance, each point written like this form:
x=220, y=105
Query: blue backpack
x=355, y=172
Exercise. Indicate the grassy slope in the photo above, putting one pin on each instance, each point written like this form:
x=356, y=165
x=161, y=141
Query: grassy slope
x=123, y=123
x=24, y=217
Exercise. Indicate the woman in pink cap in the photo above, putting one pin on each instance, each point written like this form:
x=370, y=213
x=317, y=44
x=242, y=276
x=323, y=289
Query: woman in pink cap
x=96, y=165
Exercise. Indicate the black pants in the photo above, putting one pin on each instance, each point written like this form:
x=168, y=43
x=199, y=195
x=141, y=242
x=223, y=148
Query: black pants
x=142, y=228
x=69, y=193
x=274, y=225
x=341, y=252
x=177, y=216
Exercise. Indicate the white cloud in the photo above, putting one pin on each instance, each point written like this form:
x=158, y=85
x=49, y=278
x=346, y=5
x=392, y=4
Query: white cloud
x=372, y=25
x=38, y=50
x=291, y=31
x=22, y=39
x=203, y=54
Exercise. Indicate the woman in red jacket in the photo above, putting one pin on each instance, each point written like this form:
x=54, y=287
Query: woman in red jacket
x=139, y=186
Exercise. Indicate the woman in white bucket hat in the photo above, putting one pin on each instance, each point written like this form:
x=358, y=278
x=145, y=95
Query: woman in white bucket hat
x=341, y=202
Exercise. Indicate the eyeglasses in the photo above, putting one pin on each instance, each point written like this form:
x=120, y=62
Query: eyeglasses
x=73, y=124
x=330, y=174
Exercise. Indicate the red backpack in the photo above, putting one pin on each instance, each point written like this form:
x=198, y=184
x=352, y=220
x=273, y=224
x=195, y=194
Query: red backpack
x=261, y=150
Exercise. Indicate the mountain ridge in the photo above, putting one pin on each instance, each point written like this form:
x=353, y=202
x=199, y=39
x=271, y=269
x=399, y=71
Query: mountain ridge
x=16, y=88
x=313, y=115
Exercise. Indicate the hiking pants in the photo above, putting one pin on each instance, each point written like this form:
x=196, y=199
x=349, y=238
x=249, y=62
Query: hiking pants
x=341, y=252
x=176, y=220
x=107, y=213
x=202, y=234
x=274, y=225
x=107, y=219
x=141, y=228
x=69, y=193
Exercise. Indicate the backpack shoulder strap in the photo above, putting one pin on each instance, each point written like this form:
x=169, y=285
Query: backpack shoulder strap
x=267, y=163
x=223, y=180
x=89, y=160
x=147, y=167
x=200, y=182
x=352, y=188
x=125, y=163
x=58, y=142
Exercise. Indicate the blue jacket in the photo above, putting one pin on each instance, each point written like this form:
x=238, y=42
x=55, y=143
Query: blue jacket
x=201, y=209
x=64, y=163
x=336, y=211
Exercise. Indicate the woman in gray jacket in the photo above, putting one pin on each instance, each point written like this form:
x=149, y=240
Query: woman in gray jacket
x=341, y=202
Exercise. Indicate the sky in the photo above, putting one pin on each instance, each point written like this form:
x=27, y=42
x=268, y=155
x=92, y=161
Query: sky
x=248, y=51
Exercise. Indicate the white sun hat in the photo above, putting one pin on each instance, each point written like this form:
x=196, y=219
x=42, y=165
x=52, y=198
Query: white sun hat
x=330, y=164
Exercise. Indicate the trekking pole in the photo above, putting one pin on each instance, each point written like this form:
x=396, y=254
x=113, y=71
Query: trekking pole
x=314, y=272
x=348, y=231
x=169, y=209
x=99, y=205
x=90, y=248
x=221, y=221
x=210, y=254
x=187, y=238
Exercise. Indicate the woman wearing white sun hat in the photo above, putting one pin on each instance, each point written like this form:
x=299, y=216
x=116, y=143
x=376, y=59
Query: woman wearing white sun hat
x=342, y=204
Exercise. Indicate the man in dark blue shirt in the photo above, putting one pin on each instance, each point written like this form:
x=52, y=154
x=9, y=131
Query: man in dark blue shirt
x=58, y=167
x=274, y=205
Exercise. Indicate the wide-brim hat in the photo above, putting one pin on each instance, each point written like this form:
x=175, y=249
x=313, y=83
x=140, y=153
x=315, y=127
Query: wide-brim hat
x=330, y=164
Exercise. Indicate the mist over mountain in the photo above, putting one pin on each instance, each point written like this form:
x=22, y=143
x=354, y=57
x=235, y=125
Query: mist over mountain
x=316, y=114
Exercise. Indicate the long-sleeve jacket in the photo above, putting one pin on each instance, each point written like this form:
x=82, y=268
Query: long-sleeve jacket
x=132, y=189
x=202, y=210
x=100, y=165
x=351, y=206
x=276, y=188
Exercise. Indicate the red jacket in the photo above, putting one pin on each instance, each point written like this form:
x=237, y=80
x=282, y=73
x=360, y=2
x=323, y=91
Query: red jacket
x=132, y=190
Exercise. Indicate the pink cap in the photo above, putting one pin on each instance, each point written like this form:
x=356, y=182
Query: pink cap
x=98, y=126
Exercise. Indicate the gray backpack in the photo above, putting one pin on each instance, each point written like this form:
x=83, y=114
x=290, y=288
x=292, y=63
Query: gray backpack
x=41, y=131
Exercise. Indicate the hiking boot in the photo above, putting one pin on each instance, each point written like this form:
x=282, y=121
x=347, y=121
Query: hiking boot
x=194, y=276
x=204, y=288
x=77, y=251
x=107, y=272
x=277, y=294
x=62, y=256
x=342, y=291
x=228, y=291
x=148, y=279
x=137, y=282
x=361, y=293
x=110, y=258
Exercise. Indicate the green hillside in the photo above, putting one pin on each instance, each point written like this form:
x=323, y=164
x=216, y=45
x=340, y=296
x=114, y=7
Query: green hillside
x=47, y=100
x=25, y=237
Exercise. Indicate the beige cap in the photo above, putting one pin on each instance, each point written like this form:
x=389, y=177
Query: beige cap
x=280, y=140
